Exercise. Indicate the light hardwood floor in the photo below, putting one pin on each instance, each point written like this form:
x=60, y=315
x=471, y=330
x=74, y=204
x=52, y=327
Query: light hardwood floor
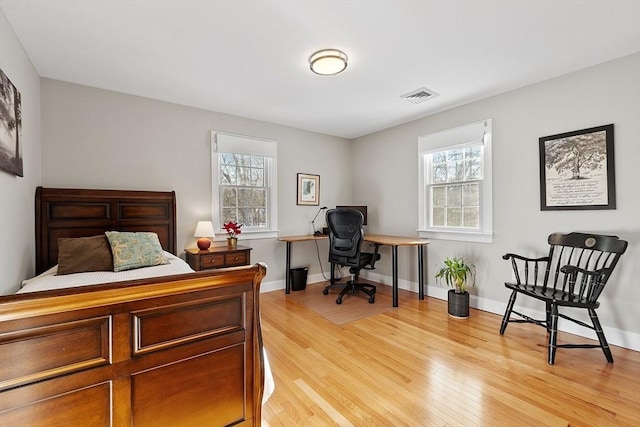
x=415, y=366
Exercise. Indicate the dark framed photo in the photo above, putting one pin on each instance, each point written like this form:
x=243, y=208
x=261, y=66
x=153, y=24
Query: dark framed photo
x=577, y=170
x=10, y=127
x=308, y=189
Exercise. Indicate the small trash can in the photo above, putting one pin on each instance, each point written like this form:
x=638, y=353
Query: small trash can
x=298, y=278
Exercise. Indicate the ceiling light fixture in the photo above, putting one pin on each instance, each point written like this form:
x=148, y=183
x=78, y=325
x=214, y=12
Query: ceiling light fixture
x=328, y=62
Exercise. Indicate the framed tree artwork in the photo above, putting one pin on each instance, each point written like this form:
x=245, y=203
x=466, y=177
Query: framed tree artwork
x=10, y=127
x=308, y=189
x=577, y=170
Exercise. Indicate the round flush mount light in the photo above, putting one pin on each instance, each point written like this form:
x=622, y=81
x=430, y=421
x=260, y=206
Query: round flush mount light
x=328, y=62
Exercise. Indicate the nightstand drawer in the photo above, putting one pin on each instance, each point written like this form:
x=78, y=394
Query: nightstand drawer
x=218, y=257
x=212, y=261
x=236, y=258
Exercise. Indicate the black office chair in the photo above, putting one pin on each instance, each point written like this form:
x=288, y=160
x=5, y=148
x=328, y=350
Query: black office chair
x=345, y=242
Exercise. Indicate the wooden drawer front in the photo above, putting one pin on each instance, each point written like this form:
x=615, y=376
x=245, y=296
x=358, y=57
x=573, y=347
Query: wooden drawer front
x=211, y=261
x=75, y=346
x=215, y=317
x=235, y=258
x=89, y=406
x=204, y=391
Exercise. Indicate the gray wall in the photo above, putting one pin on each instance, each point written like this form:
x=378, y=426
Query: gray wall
x=17, y=249
x=607, y=93
x=94, y=138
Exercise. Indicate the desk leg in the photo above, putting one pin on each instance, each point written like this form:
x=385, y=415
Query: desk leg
x=394, y=273
x=421, y=271
x=287, y=279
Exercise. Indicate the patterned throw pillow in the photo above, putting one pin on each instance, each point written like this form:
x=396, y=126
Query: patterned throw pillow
x=135, y=250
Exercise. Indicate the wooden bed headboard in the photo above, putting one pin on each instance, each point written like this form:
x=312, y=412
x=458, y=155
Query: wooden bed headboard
x=63, y=212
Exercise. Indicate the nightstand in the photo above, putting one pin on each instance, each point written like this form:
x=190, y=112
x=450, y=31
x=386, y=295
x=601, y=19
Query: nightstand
x=218, y=257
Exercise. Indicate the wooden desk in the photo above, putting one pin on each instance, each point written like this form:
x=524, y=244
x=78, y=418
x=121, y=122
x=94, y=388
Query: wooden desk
x=378, y=239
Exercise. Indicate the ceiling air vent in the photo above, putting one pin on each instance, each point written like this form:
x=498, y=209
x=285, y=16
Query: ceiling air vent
x=419, y=95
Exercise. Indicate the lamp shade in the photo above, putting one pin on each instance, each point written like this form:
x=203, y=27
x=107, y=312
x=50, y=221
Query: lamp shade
x=204, y=229
x=327, y=62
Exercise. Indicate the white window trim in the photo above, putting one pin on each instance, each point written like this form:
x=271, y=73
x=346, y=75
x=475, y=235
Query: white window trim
x=448, y=139
x=240, y=144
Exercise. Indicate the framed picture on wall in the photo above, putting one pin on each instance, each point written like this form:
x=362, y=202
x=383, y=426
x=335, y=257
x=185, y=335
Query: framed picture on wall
x=10, y=127
x=308, y=189
x=577, y=170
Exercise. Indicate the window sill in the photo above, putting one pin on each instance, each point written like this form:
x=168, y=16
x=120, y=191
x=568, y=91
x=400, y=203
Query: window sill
x=462, y=236
x=254, y=235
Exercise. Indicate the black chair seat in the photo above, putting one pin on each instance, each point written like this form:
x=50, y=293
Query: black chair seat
x=574, y=274
x=552, y=295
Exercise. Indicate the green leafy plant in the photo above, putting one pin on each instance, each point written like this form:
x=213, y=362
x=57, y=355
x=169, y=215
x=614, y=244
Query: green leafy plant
x=455, y=273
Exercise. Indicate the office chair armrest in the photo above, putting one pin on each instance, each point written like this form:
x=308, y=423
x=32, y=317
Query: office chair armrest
x=374, y=257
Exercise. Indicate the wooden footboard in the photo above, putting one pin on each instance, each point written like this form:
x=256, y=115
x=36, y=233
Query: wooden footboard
x=175, y=351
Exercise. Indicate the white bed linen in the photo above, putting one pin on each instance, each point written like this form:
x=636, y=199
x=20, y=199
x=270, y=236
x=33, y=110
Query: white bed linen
x=49, y=280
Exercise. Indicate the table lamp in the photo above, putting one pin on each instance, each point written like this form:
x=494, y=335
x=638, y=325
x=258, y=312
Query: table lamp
x=204, y=230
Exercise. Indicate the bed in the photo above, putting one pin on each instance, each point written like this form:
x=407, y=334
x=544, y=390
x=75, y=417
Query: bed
x=177, y=350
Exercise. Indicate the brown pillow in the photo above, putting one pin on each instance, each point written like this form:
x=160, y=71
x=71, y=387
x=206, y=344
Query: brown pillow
x=83, y=254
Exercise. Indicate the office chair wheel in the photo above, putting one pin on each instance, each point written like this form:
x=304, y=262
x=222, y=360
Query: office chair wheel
x=372, y=300
x=325, y=291
x=339, y=300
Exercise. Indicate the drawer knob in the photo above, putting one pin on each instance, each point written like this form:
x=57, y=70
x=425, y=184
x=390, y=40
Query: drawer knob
x=235, y=258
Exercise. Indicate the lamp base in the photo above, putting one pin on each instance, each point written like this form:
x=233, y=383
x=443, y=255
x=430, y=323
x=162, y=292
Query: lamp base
x=204, y=243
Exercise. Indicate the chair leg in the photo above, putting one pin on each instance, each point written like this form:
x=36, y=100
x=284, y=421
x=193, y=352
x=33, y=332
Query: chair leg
x=507, y=313
x=548, y=322
x=603, y=341
x=553, y=334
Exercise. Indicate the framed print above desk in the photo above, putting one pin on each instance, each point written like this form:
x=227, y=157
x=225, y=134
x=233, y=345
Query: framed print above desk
x=308, y=189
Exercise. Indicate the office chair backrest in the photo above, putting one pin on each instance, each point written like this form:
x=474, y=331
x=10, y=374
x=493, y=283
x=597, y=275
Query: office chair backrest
x=345, y=236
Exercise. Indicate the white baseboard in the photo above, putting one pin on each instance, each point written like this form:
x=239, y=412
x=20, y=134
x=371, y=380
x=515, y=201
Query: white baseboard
x=619, y=337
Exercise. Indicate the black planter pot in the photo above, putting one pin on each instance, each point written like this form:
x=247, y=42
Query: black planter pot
x=458, y=304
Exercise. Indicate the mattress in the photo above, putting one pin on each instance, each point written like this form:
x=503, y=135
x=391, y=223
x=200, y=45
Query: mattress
x=50, y=280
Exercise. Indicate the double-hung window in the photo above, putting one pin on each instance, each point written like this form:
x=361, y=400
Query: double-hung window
x=455, y=199
x=243, y=183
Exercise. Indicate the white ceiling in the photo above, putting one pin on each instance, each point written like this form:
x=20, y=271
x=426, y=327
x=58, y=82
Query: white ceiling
x=250, y=58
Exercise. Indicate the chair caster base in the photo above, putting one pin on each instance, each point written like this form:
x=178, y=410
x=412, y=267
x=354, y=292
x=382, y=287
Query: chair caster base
x=339, y=301
x=372, y=300
x=325, y=292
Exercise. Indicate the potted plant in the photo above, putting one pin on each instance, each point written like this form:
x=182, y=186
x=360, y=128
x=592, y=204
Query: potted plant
x=457, y=273
x=232, y=229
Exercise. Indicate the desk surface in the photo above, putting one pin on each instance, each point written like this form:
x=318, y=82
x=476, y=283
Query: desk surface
x=372, y=238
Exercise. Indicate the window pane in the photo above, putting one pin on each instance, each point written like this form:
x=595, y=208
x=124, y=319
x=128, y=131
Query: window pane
x=257, y=161
x=471, y=194
x=244, y=176
x=454, y=217
x=439, y=157
x=227, y=175
x=454, y=195
x=244, y=160
x=454, y=155
x=228, y=159
x=437, y=217
x=229, y=198
x=474, y=169
x=439, y=173
x=229, y=215
x=257, y=177
x=244, y=197
x=473, y=152
x=455, y=171
x=260, y=217
x=259, y=198
x=471, y=217
x=439, y=196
